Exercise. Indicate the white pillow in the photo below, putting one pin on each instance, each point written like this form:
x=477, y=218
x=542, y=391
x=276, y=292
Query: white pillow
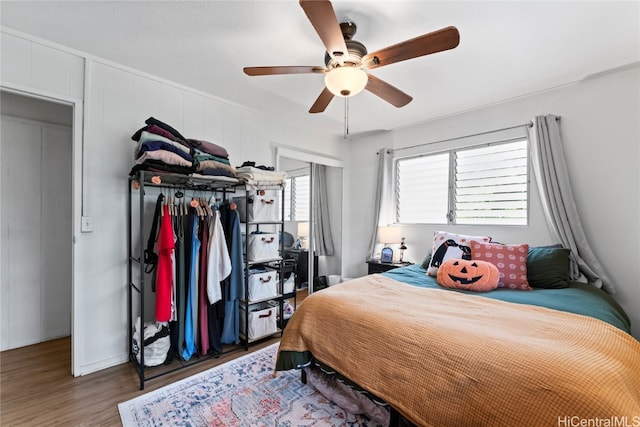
x=450, y=245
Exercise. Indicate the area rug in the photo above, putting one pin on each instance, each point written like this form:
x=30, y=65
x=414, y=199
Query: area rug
x=241, y=392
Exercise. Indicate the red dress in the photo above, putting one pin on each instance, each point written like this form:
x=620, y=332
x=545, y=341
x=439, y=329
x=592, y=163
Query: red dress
x=164, y=270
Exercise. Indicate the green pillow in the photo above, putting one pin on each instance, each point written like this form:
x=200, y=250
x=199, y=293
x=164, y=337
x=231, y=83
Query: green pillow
x=426, y=261
x=548, y=267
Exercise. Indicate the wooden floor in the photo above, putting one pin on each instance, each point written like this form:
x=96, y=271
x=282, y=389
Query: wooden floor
x=37, y=389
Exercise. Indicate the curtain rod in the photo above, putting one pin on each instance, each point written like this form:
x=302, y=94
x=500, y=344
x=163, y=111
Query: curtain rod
x=528, y=124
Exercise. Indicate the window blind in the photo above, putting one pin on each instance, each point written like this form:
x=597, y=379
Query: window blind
x=491, y=184
x=424, y=184
x=296, y=198
x=485, y=184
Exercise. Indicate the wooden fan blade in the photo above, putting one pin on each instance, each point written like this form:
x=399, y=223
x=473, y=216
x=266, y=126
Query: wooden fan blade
x=384, y=90
x=269, y=71
x=437, y=41
x=322, y=102
x=323, y=18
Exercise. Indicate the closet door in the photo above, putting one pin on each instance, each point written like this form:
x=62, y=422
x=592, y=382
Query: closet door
x=21, y=210
x=36, y=232
x=56, y=232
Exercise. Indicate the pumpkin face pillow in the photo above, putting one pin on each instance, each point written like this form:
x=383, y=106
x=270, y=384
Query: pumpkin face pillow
x=472, y=275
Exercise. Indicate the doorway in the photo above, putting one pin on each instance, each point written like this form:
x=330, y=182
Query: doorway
x=36, y=154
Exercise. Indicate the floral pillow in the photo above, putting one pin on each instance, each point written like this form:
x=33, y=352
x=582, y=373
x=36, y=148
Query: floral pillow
x=448, y=246
x=511, y=261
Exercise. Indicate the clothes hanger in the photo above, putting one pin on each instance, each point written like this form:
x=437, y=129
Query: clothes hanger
x=179, y=203
x=195, y=203
x=215, y=201
x=203, y=205
x=208, y=207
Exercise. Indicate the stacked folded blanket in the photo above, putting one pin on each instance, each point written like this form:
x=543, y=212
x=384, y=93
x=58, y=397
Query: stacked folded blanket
x=161, y=148
x=256, y=177
x=207, y=164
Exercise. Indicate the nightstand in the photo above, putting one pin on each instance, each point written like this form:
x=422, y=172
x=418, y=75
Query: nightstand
x=375, y=266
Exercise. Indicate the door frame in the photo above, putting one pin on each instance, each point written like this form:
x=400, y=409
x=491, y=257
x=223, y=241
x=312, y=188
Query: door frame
x=309, y=157
x=77, y=143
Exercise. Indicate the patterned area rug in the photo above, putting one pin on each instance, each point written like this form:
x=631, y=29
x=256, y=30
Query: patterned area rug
x=241, y=392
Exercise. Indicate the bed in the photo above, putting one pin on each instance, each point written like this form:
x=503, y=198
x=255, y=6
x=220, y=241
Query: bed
x=442, y=357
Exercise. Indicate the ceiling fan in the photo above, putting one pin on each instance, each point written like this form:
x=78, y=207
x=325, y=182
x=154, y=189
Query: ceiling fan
x=346, y=59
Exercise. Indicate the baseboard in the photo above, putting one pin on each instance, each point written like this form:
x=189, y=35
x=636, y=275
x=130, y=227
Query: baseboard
x=102, y=364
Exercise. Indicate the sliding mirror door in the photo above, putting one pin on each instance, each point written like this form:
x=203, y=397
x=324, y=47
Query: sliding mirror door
x=313, y=220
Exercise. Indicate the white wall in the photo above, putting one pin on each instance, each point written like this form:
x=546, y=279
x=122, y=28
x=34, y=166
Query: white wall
x=117, y=100
x=601, y=130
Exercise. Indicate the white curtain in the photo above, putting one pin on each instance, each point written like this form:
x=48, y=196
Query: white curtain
x=559, y=206
x=383, y=207
x=322, y=235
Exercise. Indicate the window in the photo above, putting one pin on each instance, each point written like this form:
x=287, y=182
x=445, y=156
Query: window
x=296, y=199
x=477, y=185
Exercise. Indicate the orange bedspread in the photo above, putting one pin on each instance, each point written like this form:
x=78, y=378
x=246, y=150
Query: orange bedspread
x=443, y=358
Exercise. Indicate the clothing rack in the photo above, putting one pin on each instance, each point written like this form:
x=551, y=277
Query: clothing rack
x=140, y=181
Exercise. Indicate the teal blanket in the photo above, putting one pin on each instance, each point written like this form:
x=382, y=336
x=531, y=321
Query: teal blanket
x=578, y=298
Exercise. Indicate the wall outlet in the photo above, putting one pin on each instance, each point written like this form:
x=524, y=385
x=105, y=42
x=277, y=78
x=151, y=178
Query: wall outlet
x=87, y=224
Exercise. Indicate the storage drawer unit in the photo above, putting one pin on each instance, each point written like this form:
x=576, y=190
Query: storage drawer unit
x=263, y=284
x=261, y=206
x=262, y=320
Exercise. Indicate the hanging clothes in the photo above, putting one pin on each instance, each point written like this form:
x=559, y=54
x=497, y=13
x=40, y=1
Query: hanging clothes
x=196, y=279
x=219, y=262
x=203, y=326
x=216, y=320
x=188, y=243
x=164, y=274
x=219, y=268
x=232, y=286
x=173, y=323
x=191, y=307
x=180, y=282
x=174, y=301
x=208, y=280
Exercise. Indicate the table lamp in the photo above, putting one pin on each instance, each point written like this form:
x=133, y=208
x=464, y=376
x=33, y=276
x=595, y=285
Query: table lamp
x=388, y=235
x=303, y=233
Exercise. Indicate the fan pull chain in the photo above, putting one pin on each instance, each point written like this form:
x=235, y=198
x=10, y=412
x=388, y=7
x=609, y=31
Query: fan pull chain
x=346, y=116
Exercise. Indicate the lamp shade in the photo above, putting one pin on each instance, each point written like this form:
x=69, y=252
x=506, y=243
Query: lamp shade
x=346, y=81
x=303, y=229
x=389, y=234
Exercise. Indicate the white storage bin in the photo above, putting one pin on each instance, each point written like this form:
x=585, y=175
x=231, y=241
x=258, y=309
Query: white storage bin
x=262, y=246
x=261, y=206
x=289, y=284
x=263, y=284
x=262, y=320
x=334, y=279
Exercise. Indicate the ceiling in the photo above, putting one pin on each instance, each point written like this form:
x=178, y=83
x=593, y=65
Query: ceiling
x=507, y=49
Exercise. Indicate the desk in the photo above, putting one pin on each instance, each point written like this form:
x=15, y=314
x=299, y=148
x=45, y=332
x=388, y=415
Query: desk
x=301, y=257
x=375, y=266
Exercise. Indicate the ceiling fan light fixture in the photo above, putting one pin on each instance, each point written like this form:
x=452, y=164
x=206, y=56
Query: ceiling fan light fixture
x=346, y=81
